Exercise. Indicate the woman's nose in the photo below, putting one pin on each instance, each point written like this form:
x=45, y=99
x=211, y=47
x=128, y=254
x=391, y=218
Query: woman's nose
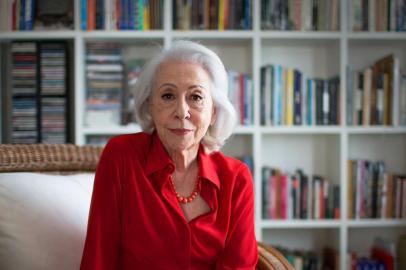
x=182, y=109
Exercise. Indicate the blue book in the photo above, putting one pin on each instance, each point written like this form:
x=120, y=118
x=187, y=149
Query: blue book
x=275, y=94
x=83, y=14
x=279, y=95
x=131, y=14
x=297, y=98
x=121, y=19
x=29, y=14
x=22, y=15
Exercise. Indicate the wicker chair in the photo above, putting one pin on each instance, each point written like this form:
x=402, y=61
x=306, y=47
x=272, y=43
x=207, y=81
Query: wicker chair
x=68, y=159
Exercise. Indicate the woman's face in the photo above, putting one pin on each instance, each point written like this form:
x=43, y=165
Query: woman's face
x=181, y=105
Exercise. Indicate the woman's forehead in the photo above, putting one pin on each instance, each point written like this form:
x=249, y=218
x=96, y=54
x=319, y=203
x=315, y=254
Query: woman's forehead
x=182, y=72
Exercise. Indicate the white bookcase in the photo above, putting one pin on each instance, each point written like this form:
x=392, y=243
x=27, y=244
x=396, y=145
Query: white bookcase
x=315, y=149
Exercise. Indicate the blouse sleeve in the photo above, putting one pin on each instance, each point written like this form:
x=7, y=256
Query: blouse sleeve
x=241, y=250
x=102, y=243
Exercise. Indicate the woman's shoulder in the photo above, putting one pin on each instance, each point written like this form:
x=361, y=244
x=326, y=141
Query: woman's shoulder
x=229, y=164
x=128, y=143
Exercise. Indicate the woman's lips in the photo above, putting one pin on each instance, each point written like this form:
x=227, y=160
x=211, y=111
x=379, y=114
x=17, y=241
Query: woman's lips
x=180, y=131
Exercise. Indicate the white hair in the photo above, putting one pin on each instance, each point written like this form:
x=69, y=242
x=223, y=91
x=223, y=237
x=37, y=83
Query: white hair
x=188, y=51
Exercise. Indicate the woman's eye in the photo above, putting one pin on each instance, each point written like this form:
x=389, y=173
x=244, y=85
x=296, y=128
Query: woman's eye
x=167, y=96
x=196, y=97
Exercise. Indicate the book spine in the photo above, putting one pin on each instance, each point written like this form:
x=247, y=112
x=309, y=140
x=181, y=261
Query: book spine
x=83, y=14
x=297, y=98
x=91, y=15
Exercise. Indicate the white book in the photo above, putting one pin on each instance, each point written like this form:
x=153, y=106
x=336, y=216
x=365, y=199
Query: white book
x=107, y=14
x=402, y=100
x=306, y=15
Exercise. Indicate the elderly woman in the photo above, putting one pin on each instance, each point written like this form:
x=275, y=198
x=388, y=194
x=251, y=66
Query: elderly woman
x=167, y=198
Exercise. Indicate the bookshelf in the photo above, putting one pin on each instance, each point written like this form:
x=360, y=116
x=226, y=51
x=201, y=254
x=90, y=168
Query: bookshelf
x=315, y=149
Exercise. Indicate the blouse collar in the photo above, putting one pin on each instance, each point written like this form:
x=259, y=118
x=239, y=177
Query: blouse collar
x=158, y=159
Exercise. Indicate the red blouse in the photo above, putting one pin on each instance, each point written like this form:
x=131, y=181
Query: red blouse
x=135, y=221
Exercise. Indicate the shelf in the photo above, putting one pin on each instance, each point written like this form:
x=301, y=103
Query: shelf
x=376, y=130
x=213, y=34
x=244, y=130
x=377, y=35
x=123, y=34
x=111, y=130
x=301, y=130
x=295, y=224
x=300, y=35
x=28, y=35
x=370, y=223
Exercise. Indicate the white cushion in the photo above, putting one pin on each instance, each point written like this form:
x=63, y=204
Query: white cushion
x=43, y=220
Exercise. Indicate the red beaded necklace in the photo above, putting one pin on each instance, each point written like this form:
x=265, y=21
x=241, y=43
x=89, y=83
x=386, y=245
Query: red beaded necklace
x=192, y=196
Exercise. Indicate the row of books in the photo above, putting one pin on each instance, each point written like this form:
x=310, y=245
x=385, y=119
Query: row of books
x=310, y=260
x=39, y=96
x=36, y=14
x=373, y=94
x=212, y=14
x=121, y=14
x=109, y=82
x=306, y=15
x=298, y=196
x=373, y=192
x=377, y=15
x=384, y=254
x=289, y=98
x=104, y=83
x=241, y=96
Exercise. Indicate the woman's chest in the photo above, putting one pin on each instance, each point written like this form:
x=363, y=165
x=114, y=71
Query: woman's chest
x=153, y=222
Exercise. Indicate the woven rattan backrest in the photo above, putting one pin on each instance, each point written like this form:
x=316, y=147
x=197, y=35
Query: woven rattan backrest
x=48, y=157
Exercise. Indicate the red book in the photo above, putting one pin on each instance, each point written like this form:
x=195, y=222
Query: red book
x=284, y=196
x=91, y=14
x=383, y=256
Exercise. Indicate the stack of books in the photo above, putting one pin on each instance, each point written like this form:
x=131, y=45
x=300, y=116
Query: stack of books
x=375, y=92
x=373, y=192
x=121, y=14
x=381, y=15
x=241, y=96
x=214, y=14
x=105, y=84
x=290, y=98
x=298, y=196
x=306, y=15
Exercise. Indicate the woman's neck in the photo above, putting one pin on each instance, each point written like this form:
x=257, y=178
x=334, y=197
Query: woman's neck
x=184, y=159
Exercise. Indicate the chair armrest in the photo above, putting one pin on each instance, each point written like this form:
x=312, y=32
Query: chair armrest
x=270, y=258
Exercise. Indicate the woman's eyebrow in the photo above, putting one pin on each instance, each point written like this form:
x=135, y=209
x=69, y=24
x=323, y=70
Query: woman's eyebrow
x=196, y=86
x=167, y=84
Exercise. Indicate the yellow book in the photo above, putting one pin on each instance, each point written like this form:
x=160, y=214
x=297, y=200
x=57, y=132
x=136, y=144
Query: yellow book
x=289, y=98
x=221, y=15
x=146, y=17
x=349, y=189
